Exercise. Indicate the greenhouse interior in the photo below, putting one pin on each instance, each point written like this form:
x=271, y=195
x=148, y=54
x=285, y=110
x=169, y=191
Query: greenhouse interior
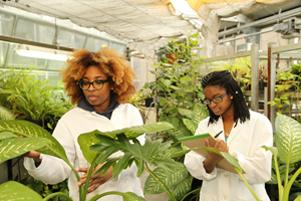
x=150, y=100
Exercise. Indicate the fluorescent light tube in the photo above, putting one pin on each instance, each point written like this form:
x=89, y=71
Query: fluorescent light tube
x=42, y=54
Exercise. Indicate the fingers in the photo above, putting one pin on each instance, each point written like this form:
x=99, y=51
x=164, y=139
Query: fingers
x=94, y=183
x=206, y=142
x=82, y=170
x=221, y=146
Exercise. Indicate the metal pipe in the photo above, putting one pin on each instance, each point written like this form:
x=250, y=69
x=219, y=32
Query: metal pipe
x=34, y=43
x=262, y=22
x=269, y=78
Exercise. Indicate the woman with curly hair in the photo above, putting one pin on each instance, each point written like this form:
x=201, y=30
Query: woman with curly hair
x=100, y=85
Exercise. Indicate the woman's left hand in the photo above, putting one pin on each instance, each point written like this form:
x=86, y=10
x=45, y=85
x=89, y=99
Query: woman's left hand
x=96, y=179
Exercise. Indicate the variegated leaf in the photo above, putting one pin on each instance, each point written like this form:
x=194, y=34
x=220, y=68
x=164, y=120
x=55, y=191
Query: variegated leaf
x=13, y=147
x=177, y=179
x=288, y=139
x=14, y=191
x=6, y=135
x=27, y=129
x=5, y=114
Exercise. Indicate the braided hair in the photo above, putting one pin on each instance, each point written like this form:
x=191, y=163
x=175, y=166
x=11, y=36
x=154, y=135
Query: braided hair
x=225, y=80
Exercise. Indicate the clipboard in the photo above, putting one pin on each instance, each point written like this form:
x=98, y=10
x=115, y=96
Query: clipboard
x=196, y=144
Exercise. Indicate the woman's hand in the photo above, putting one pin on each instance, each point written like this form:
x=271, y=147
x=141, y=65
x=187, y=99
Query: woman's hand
x=96, y=179
x=212, y=159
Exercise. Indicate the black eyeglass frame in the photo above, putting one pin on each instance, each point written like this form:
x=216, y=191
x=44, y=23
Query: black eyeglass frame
x=97, y=81
x=216, y=99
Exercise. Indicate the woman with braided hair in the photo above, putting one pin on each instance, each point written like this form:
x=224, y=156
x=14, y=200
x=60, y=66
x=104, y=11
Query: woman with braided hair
x=244, y=132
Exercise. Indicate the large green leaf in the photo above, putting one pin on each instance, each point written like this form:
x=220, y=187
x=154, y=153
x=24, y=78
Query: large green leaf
x=298, y=198
x=28, y=129
x=228, y=157
x=177, y=179
x=135, y=131
x=86, y=140
x=190, y=125
x=6, y=135
x=288, y=139
x=13, y=147
x=5, y=114
x=14, y=191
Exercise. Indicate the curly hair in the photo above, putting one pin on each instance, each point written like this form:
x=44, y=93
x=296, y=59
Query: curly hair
x=110, y=62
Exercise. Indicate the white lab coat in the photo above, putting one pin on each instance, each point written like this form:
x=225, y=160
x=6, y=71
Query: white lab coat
x=244, y=142
x=75, y=122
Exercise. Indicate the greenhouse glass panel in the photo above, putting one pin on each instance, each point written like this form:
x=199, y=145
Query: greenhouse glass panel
x=3, y=50
x=94, y=44
x=25, y=29
x=118, y=47
x=55, y=65
x=45, y=33
x=6, y=26
x=54, y=78
x=70, y=38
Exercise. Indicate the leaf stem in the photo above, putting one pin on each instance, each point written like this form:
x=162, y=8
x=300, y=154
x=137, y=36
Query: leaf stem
x=287, y=188
x=84, y=189
x=96, y=197
x=191, y=192
x=247, y=185
x=280, y=187
x=57, y=194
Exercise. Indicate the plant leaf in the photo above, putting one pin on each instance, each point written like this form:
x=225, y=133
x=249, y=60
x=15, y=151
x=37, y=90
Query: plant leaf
x=5, y=114
x=86, y=140
x=228, y=157
x=288, y=139
x=190, y=125
x=129, y=196
x=177, y=179
x=27, y=129
x=6, y=135
x=14, y=191
x=135, y=131
x=13, y=147
x=121, y=164
x=274, y=150
x=298, y=198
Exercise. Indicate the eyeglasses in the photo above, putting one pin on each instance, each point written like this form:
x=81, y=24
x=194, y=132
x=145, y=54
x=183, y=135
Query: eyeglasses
x=216, y=99
x=97, y=84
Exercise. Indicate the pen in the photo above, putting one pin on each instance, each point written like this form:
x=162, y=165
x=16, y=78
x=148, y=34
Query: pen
x=216, y=135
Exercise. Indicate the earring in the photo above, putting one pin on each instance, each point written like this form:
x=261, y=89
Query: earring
x=231, y=97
